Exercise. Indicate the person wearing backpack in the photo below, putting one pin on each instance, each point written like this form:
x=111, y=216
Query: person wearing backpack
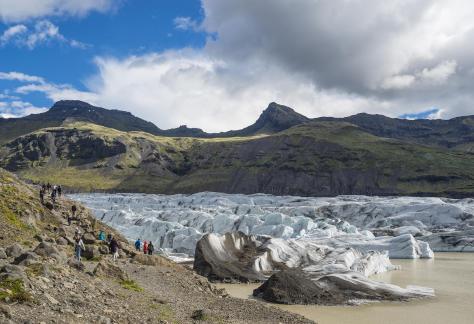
x=145, y=247
x=151, y=248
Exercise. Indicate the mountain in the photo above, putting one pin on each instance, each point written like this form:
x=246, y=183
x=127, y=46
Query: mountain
x=275, y=118
x=73, y=110
x=317, y=158
x=91, y=148
x=456, y=133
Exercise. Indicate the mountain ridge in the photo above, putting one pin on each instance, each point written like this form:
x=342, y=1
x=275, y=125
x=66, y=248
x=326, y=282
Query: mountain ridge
x=456, y=133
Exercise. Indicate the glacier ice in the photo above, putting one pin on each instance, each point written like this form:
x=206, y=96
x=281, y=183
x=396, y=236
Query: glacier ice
x=406, y=227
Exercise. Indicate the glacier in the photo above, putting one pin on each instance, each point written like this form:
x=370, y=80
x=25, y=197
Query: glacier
x=406, y=227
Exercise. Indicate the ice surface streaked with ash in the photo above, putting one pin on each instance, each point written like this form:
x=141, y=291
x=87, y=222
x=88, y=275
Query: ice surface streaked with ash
x=399, y=225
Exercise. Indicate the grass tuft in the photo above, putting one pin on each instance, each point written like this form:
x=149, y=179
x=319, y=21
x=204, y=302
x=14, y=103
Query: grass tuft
x=131, y=285
x=14, y=291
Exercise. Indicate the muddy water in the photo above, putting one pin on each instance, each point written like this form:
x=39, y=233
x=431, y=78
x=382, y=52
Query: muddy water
x=450, y=274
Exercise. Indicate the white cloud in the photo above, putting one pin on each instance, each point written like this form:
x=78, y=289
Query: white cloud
x=11, y=33
x=187, y=87
x=22, y=77
x=186, y=23
x=398, y=81
x=439, y=73
x=15, y=109
x=43, y=32
x=22, y=10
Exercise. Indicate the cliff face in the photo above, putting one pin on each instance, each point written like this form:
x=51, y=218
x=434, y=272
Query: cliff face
x=314, y=159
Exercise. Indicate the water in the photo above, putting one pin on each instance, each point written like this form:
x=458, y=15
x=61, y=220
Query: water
x=450, y=274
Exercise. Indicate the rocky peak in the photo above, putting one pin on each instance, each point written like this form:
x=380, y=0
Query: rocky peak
x=277, y=118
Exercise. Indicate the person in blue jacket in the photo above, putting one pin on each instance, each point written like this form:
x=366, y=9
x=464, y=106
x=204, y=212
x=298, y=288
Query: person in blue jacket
x=138, y=244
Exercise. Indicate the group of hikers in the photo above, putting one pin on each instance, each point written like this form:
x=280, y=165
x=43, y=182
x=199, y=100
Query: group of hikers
x=55, y=191
x=110, y=240
x=146, y=247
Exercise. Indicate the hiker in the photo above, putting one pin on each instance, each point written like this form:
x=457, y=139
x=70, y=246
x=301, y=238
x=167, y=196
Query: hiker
x=138, y=244
x=101, y=235
x=114, y=248
x=59, y=191
x=145, y=247
x=42, y=196
x=69, y=219
x=48, y=187
x=53, y=197
x=78, y=246
x=109, y=238
x=151, y=248
x=73, y=209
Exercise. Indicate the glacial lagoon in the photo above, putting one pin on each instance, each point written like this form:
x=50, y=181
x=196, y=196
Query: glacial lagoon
x=450, y=274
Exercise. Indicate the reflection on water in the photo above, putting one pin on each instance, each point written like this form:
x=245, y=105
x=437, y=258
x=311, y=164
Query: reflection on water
x=450, y=274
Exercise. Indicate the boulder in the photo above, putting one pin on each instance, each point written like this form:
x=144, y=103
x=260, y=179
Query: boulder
x=14, y=250
x=91, y=252
x=201, y=315
x=295, y=286
x=12, y=272
x=46, y=249
x=89, y=238
x=104, y=249
x=109, y=270
x=73, y=263
x=62, y=241
x=3, y=254
x=26, y=259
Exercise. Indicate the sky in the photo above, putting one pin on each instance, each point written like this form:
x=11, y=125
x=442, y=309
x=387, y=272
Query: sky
x=217, y=64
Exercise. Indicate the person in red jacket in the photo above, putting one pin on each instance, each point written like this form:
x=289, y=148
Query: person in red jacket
x=145, y=247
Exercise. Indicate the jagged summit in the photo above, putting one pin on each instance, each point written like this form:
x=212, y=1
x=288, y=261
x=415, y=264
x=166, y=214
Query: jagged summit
x=278, y=117
x=273, y=119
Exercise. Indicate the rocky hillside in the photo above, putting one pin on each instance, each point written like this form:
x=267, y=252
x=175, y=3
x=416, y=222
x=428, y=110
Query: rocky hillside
x=41, y=283
x=311, y=159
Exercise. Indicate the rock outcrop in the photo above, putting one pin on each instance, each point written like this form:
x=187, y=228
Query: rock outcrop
x=295, y=286
x=331, y=275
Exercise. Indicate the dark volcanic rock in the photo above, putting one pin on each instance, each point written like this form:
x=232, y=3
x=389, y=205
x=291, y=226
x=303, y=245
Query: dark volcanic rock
x=294, y=286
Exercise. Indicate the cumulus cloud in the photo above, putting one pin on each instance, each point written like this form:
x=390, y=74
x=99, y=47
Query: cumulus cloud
x=18, y=108
x=22, y=10
x=43, y=32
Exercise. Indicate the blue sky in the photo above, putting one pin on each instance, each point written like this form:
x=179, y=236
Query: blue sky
x=131, y=28
x=217, y=64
